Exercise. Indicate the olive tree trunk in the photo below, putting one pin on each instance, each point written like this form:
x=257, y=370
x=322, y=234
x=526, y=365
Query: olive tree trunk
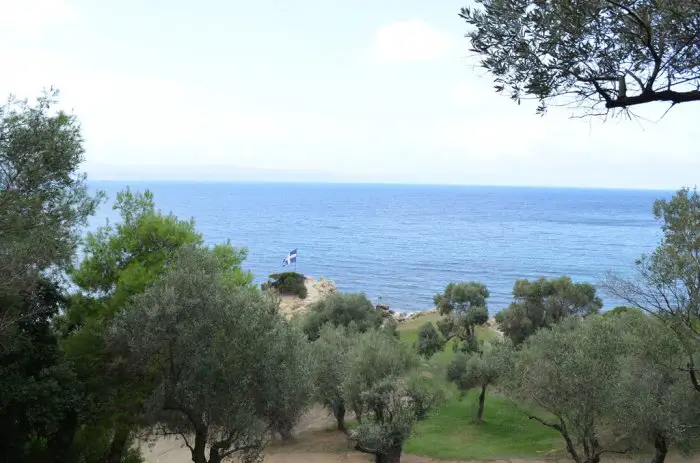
x=339, y=414
x=482, y=399
x=200, y=446
x=392, y=456
x=660, y=449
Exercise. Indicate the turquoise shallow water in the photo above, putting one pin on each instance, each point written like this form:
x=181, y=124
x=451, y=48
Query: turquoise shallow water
x=404, y=243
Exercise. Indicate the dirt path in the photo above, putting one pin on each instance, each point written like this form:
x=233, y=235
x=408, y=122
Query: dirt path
x=320, y=445
x=316, y=441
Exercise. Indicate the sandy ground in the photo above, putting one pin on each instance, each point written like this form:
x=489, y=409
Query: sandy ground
x=173, y=450
x=316, y=289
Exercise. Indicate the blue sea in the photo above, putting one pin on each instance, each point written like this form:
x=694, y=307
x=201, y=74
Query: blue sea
x=404, y=243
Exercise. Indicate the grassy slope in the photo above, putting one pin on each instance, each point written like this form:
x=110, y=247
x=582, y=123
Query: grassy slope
x=449, y=433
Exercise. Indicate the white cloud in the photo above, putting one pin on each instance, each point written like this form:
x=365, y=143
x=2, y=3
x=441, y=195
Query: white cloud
x=411, y=40
x=29, y=16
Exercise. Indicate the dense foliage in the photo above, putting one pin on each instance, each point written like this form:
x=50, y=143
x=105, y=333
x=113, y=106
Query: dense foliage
x=667, y=283
x=39, y=393
x=375, y=356
x=370, y=374
x=44, y=200
x=391, y=409
x=120, y=262
x=595, y=54
x=288, y=283
x=353, y=311
x=229, y=367
x=331, y=357
x=544, y=302
x=604, y=377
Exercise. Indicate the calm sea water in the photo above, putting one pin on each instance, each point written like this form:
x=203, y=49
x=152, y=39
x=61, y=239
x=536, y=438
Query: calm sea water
x=405, y=243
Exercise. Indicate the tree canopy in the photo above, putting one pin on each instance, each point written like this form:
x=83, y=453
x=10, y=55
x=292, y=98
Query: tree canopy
x=375, y=355
x=39, y=392
x=44, y=200
x=331, y=359
x=479, y=371
x=225, y=361
x=656, y=406
x=121, y=261
x=667, y=283
x=606, y=376
x=392, y=407
x=338, y=309
x=596, y=54
x=544, y=302
x=463, y=307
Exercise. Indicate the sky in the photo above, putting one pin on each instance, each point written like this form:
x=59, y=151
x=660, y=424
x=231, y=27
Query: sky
x=314, y=90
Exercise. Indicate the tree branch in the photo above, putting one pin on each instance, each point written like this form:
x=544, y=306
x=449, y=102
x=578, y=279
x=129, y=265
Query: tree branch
x=546, y=423
x=184, y=437
x=171, y=404
x=649, y=44
x=651, y=96
x=637, y=79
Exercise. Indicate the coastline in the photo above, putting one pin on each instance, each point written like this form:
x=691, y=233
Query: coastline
x=321, y=287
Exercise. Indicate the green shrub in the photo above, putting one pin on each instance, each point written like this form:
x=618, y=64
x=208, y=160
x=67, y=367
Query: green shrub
x=623, y=310
x=290, y=283
x=353, y=311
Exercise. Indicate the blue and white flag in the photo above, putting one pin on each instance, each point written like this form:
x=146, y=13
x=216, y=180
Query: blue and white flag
x=290, y=259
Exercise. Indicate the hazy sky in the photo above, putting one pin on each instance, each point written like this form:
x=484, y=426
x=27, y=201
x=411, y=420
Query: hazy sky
x=314, y=90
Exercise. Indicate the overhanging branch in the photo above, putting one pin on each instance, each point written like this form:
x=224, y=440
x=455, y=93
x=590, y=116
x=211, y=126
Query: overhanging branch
x=649, y=97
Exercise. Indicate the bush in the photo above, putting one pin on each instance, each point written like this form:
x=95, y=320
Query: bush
x=429, y=340
x=622, y=310
x=290, y=283
x=353, y=311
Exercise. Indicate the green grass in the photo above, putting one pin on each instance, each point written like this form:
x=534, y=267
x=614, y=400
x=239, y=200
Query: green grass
x=450, y=433
x=409, y=334
x=505, y=432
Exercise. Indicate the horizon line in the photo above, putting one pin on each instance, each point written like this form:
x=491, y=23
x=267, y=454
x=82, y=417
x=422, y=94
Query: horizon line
x=383, y=183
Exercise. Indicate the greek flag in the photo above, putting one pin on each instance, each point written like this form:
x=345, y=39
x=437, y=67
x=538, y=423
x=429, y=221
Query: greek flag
x=290, y=259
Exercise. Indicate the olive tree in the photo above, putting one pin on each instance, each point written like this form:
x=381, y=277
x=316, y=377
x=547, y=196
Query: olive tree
x=544, y=302
x=392, y=407
x=603, y=377
x=121, y=260
x=655, y=406
x=596, y=54
x=288, y=379
x=331, y=356
x=479, y=371
x=219, y=356
x=667, y=283
x=374, y=356
x=569, y=372
x=338, y=309
x=463, y=307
